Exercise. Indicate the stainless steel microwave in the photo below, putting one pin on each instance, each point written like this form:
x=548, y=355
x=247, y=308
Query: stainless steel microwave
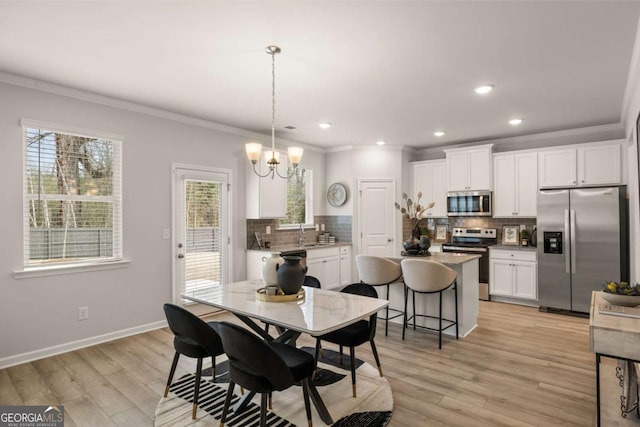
x=469, y=203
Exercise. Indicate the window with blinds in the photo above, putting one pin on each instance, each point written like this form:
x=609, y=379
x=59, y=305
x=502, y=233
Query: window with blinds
x=203, y=233
x=72, y=198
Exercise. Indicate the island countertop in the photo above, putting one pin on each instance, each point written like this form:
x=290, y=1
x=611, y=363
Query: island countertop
x=447, y=258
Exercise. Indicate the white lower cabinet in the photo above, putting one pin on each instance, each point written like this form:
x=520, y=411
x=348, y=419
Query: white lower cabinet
x=328, y=264
x=513, y=273
x=345, y=266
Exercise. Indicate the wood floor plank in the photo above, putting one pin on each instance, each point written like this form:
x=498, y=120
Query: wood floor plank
x=520, y=367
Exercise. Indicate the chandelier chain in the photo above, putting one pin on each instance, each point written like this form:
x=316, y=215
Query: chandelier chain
x=273, y=99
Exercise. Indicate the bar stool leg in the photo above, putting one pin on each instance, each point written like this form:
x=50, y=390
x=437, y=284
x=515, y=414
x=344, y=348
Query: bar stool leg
x=404, y=317
x=413, y=294
x=455, y=288
x=386, y=323
x=440, y=320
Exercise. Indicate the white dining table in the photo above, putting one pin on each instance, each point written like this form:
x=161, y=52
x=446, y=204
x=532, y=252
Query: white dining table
x=319, y=312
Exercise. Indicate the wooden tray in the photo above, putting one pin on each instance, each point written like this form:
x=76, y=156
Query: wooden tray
x=281, y=297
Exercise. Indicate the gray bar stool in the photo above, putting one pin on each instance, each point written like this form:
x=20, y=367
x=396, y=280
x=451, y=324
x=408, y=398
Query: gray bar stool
x=380, y=271
x=428, y=277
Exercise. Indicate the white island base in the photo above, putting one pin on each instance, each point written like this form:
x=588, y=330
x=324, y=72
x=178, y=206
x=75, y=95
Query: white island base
x=466, y=266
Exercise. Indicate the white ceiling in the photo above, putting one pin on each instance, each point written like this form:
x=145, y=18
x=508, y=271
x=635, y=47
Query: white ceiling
x=392, y=70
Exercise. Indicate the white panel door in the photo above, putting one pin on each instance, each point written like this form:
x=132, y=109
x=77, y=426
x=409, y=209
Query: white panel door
x=377, y=218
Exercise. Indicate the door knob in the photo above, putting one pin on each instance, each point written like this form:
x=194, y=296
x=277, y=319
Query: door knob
x=389, y=240
x=180, y=256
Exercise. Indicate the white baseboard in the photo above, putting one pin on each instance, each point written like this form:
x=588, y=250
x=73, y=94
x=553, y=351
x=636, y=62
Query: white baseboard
x=76, y=345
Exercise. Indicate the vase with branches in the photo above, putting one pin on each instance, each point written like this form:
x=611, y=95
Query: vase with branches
x=414, y=212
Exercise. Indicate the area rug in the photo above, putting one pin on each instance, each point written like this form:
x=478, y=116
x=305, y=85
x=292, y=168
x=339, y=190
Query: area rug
x=373, y=406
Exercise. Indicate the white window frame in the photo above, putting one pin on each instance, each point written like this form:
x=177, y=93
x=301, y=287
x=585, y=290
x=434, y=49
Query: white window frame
x=308, y=204
x=117, y=259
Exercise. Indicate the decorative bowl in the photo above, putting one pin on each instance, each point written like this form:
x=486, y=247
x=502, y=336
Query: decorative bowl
x=624, y=300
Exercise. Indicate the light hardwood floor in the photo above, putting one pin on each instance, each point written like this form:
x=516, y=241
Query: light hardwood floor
x=520, y=367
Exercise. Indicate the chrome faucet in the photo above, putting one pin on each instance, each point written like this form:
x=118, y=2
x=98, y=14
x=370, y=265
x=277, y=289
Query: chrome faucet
x=301, y=235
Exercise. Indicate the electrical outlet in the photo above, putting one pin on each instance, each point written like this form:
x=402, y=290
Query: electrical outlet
x=523, y=226
x=268, y=230
x=166, y=234
x=317, y=227
x=83, y=313
x=322, y=227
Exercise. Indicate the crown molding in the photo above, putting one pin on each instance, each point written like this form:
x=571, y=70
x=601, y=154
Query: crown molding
x=633, y=79
x=43, y=86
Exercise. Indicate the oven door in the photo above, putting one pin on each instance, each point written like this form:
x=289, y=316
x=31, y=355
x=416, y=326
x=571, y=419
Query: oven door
x=476, y=203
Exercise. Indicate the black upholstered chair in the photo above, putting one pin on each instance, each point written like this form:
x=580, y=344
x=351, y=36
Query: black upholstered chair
x=193, y=338
x=311, y=282
x=263, y=367
x=355, y=334
x=429, y=277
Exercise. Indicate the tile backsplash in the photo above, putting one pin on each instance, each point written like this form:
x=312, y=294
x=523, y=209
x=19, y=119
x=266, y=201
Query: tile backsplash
x=468, y=222
x=337, y=225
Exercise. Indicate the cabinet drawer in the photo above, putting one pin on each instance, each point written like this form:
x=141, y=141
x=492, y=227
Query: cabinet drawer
x=345, y=249
x=513, y=255
x=322, y=252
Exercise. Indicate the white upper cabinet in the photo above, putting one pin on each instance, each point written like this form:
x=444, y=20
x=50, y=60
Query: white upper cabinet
x=430, y=178
x=587, y=165
x=515, y=184
x=266, y=197
x=469, y=169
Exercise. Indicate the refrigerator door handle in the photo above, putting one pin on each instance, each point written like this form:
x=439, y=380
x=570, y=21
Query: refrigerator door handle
x=567, y=248
x=573, y=240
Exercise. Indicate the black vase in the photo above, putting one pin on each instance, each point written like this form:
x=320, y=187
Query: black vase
x=291, y=275
x=412, y=244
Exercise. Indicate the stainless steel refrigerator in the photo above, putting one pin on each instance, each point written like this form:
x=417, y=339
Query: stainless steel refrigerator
x=582, y=242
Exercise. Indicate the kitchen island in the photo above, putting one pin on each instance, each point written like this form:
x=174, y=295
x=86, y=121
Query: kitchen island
x=466, y=266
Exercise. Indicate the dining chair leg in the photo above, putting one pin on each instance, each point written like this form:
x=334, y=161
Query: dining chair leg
x=307, y=405
x=455, y=288
x=213, y=368
x=270, y=401
x=196, y=389
x=386, y=323
x=352, y=355
x=263, y=410
x=171, y=373
x=227, y=403
x=404, y=317
x=315, y=359
x=440, y=320
x=340, y=355
x=375, y=354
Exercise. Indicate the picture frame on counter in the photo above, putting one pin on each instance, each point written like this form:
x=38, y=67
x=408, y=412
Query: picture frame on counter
x=441, y=233
x=510, y=235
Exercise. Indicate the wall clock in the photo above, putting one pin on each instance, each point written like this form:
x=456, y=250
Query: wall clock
x=337, y=194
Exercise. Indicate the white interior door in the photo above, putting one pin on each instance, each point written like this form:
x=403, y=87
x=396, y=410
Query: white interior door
x=377, y=218
x=201, y=230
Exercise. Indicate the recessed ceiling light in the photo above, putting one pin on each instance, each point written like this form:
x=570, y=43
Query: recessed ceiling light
x=515, y=122
x=484, y=89
x=439, y=133
x=381, y=142
x=325, y=125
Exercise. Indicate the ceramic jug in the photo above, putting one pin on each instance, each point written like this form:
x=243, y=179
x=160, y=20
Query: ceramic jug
x=269, y=269
x=291, y=275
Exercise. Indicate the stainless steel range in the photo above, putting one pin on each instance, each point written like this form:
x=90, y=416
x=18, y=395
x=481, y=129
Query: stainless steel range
x=474, y=241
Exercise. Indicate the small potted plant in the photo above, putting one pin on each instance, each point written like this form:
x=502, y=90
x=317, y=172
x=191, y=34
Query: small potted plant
x=524, y=237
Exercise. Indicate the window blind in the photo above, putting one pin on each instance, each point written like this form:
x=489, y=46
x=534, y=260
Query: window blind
x=204, y=233
x=72, y=198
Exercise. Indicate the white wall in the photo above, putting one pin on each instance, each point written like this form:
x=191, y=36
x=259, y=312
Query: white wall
x=37, y=314
x=338, y=167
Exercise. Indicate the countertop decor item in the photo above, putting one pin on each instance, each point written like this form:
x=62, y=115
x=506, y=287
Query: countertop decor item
x=621, y=293
x=269, y=269
x=337, y=194
x=510, y=235
x=414, y=212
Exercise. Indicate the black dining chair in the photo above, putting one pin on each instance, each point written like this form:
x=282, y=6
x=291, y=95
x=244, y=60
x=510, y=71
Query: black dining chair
x=355, y=334
x=263, y=367
x=194, y=338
